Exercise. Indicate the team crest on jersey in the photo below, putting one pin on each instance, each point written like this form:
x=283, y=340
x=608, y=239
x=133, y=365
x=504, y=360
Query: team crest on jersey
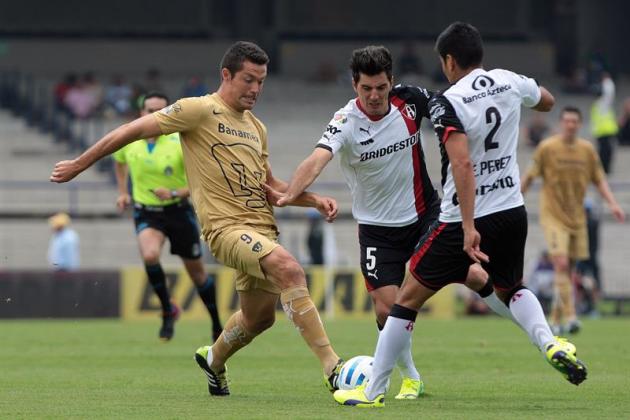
x=482, y=82
x=171, y=108
x=409, y=111
x=340, y=118
x=168, y=171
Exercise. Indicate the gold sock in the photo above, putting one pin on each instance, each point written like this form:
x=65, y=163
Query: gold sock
x=233, y=338
x=565, y=293
x=299, y=307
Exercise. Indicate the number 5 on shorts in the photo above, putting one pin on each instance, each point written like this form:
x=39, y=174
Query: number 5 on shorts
x=370, y=257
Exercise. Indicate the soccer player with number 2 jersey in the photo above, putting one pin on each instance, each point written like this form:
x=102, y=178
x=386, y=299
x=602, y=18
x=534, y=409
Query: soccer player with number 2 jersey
x=482, y=217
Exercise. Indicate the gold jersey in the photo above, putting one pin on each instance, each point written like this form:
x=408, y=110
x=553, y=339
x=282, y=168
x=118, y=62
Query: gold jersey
x=566, y=169
x=226, y=161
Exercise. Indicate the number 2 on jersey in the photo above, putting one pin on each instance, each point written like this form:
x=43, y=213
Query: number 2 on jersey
x=489, y=144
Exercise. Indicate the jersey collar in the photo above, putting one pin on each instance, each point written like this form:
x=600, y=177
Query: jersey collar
x=358, y=103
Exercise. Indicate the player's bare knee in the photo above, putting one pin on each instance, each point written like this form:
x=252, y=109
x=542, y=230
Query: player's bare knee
x=290, y=274
x=477, y=278
x=151, y=257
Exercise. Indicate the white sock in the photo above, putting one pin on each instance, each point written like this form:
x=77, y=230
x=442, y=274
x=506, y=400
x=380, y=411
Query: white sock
x=498, y=306
x=529, y=315
x=391, y=342
x=405, y=363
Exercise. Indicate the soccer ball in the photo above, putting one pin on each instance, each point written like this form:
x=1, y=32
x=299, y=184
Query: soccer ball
x=355, y=371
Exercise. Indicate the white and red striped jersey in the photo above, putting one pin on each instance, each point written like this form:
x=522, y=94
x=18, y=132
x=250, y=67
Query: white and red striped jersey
x=382, y=159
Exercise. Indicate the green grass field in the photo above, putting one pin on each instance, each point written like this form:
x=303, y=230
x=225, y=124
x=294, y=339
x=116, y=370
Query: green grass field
x=473, y=368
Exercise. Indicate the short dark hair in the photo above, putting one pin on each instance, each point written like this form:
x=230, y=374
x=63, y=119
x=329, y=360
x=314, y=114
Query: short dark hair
x=571, y=109
x=241, y=51
x=371, y=60
x=150, y=95
x=463, y=42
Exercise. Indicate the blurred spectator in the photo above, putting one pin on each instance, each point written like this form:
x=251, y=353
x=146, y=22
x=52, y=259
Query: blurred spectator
x=603, y=122
x=118, y=95
x=624, y=124
x=537, y=129
x=195, y=87
x=84, y=98
x=61, y=91
x=409, y=63
x=475, y=304
x=63, y=249
x=576, y=82
x=315, y=238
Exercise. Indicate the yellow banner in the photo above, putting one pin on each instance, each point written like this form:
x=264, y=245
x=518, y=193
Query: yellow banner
x=348, y=297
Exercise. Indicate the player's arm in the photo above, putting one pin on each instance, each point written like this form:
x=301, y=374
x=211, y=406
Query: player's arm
x=456, y=146
x=276, y=191
x=165, y=194
x=143, y=127
x=546, y=101
x=121, y=171
x=606, y=193
x=305, y=174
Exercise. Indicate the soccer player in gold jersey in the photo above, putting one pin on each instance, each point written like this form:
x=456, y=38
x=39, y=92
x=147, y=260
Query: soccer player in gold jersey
x=567, y=165
x=226, y=160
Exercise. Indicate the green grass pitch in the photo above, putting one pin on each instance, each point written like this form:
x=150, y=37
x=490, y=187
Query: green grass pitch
x=473, y=368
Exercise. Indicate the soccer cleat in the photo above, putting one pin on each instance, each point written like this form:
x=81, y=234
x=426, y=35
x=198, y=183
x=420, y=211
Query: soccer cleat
x=332, y=381
x=217, y=382
x=356, y=398
x=168, y=322
x=410, y=389
x=568, y=346
x=560, y=357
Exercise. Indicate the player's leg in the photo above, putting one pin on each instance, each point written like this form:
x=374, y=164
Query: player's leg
x=257, y=314
x=412, y=385
x=150, y=242
x=391, y=343
x=183, y=234
x=558, y=240
x=260, y=256
x=384, y=252
x=206, y=288
x=506, y=233
x=284, y=270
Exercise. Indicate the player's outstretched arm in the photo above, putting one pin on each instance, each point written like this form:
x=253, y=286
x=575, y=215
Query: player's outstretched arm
x=305, y=174
x=276, y=190
x=546, y=102
x=143, y=127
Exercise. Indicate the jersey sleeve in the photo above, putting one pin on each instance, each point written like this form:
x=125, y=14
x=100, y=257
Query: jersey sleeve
x=529, y=90
x=334, y=136
x=444, y=118
x=182, y=116
x=423, y=97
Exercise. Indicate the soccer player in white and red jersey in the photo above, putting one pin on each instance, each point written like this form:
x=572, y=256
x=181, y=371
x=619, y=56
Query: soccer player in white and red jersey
x=376, y=137
x=476, y=121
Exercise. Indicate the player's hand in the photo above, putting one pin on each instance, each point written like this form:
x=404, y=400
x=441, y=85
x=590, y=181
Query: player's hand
x=65, y=170
x=123, y=201
x=275, y=197
x=618, y=213
x=472, y=239
x=328, y=208
x=162, y=193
